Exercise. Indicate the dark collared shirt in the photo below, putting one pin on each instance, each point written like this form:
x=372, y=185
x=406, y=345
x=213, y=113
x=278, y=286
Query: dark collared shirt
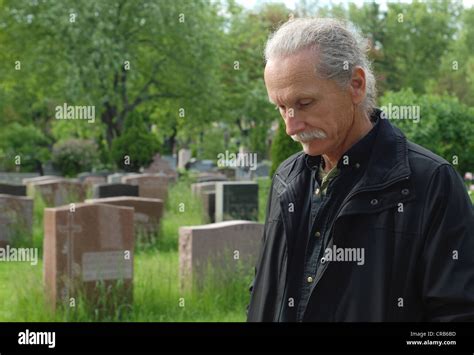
x=324, y=197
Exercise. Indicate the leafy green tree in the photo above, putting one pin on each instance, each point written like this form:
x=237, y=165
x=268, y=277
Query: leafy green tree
x=415, y=37
x=136, y=147
x=457, y=64
x=445, y=126
x=23, y=147
x=120, y=56
x=282, y=147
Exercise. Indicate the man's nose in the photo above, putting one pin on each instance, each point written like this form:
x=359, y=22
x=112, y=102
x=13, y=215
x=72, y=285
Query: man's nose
x=293, y=125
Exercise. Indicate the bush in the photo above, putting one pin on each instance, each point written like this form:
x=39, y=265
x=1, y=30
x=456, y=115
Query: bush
x=446, y=126
x=72, y=156
x=25, y=141
x=282, y=147
x=136, y=142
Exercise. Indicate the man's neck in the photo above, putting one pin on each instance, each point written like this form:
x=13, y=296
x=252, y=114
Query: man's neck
x=361, y=125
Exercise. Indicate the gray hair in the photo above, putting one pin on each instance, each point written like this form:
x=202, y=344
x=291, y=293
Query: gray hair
x=340, y=48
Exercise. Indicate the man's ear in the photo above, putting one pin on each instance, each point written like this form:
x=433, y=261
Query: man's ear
x=357, y=85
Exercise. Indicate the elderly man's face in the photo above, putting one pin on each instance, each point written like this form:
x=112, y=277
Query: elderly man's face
x=318, y=113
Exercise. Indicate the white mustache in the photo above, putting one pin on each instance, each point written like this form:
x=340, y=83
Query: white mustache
x=308, y=136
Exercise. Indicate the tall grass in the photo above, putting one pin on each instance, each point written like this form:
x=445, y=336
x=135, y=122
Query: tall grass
x=157, y=295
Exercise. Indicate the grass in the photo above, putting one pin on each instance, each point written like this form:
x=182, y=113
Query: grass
x=157, y=296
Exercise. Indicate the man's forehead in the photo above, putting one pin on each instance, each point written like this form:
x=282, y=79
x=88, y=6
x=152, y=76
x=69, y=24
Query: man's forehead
x=293, y=95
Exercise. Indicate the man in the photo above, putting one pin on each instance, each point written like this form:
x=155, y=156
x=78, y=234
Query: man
x=362, y=225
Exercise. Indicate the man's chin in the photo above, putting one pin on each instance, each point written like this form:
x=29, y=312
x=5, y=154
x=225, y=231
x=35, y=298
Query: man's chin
x=314, y=147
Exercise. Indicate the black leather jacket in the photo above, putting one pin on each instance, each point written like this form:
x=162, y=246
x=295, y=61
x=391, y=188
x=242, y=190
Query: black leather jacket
x=419, y=259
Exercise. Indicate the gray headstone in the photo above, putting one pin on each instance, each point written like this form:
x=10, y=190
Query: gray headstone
x=16, y=178
x=262, y=170
x=236, y=200
x=116, y=178
x=114, y=190
x=16, y=218
x=209, y=205
x=209, y=177
x=184, y=156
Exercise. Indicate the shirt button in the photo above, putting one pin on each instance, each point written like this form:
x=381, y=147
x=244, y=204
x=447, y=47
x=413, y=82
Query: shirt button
x=317, y=234
x=310, y=279
x=374, y=202
x=357, y=165
x=316, y=192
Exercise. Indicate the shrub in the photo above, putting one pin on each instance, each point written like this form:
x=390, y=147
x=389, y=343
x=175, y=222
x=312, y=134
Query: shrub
x=136, y=142
x=72, y=156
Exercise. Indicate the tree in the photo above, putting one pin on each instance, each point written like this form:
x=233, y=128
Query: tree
x=136, y=147
x=24, y=147
x=282, y=147
x=445, y=126
x=119, y=56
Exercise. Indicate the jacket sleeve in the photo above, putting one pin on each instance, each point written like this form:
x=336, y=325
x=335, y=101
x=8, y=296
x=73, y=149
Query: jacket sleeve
x=269, y=202
x=447, y=269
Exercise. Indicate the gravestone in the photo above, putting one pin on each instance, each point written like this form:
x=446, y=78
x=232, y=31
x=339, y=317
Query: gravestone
x=206, y=191
x=59, y=192
x=262, y=170
x=160, y=165
x=209, y=205
x=228, y=172
x=16, y=178
x=29, y=182
x=91, y=181
x=200, y=187
x=17, y=190
x=114, y=190
x=88, y=250
x=97, y=174
x=149, y=185
x=116, y=178
x=36, y=179
x=184, y=156
x=209, y=177
x=236, y=200
x=147, y=211
x=218, y=250
x=16, y=219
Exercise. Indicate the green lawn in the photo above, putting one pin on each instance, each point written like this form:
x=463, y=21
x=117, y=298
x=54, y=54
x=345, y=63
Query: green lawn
x=157, y=296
